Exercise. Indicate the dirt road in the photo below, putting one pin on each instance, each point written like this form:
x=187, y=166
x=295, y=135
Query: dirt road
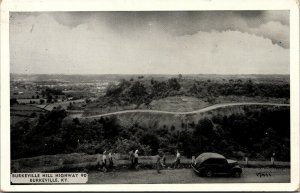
x=250, y=175
x=213, y=107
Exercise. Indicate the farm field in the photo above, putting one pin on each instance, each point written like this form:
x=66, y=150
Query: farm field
x=63, y=104
x=28, y=100
x=22, y=112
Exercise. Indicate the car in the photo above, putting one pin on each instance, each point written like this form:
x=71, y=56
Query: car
x=210, y=164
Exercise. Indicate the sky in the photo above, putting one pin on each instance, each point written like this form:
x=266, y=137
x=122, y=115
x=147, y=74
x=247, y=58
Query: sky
x=165, y=42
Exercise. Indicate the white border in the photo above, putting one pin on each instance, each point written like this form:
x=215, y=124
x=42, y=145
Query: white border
x=135, y=5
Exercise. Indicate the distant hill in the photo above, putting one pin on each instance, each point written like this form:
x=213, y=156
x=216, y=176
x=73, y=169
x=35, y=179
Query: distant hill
x=190, y=92
x=93, y=78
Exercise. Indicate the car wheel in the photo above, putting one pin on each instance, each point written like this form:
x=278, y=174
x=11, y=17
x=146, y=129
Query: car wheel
x=209, y=173
x=237, y=174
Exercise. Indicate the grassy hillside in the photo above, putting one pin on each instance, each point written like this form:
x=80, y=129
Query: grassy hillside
x=158, y=120
x=172, y=103
x=252, y=131
x=184, y=94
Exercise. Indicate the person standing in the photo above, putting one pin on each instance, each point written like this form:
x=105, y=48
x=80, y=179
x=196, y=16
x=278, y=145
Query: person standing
x=159, y=162
x=110, y=160
x=136, y=159
x=98, y=161
x=164, y=160
x=131, y=158
x=273, y=159
x=104, y=160
x=193, y=159
x=177, y=159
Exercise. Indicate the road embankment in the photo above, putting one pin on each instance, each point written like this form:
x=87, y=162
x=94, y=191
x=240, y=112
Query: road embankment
x=203, y=110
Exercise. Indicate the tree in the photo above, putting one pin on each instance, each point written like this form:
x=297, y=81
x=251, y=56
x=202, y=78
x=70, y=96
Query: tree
x=204, y=127
x=49, y=98
x=137, y=92
x=186, y=143
x=113, y=90
x=159, y=88
x=13, y=101
x=249, y=88
x=111, y=127
x=194, y=89
x=172, y=128
x=33, y=114
x=174, y=84
x=151, y=140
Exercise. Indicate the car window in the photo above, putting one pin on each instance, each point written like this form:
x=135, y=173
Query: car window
x=222, y=161
x=216, y=161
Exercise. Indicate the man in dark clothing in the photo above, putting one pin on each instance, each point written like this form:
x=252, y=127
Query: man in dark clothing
x=110, y=160
x=160, y=162
x=131, y=158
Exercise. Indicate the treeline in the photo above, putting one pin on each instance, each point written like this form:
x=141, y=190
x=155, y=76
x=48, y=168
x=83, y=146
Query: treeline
x=239, y=88
x=253, y=133
x=139, y=92
x=144, y=91
x=51, y=91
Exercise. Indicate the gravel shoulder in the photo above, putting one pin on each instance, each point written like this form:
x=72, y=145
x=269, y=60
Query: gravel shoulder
x=179, y=176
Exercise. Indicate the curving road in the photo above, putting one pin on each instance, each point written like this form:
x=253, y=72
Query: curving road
x=213, y=107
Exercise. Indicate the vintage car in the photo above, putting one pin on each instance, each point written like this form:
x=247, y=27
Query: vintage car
x=210, y=164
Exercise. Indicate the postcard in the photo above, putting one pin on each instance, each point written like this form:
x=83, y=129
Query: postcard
x=149, y=95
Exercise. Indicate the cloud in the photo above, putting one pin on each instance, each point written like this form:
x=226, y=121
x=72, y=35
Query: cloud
x=275, y=31
x=184, y=22
x=95, y=47
x=180, y=22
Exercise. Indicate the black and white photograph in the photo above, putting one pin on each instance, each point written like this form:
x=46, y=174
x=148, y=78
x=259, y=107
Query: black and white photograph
x=149, y=97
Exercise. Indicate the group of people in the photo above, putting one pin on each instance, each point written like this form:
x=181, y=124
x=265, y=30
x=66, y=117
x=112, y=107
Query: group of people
x=106, y=162
x=134, y=159
x=161, y=161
